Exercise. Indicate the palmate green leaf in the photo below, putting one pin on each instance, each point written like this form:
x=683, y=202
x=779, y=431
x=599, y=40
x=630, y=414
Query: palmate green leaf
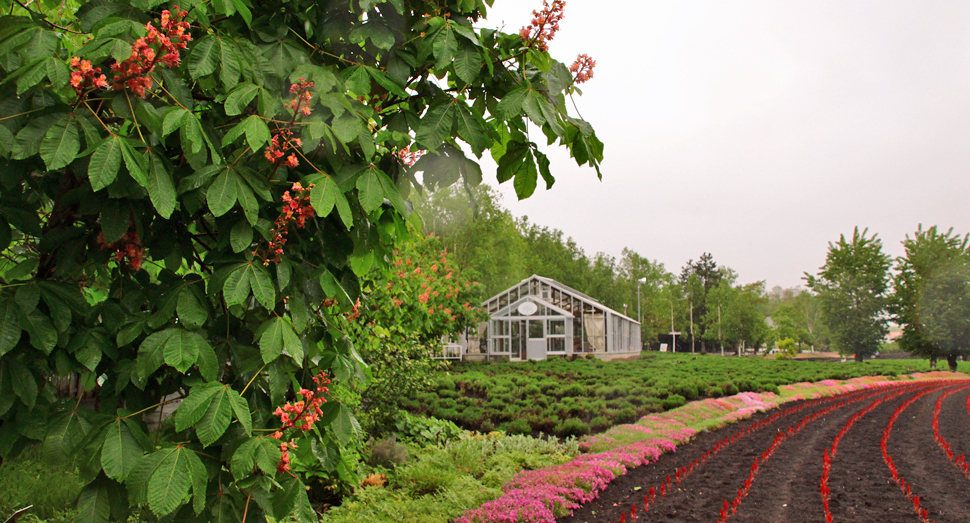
x=30, y=75
x=345, y=426
x=347, y=127
x=532, y=104
x=370, y=191
x=228, y=63
x=343, y=210
x=208, y=363
x=262, y=453
x=445, y=46
x=386, y=81
x=471, y=129
x=256, y=131
x=392, y=193
x=199, y=477
x=241, y=236
x=243, y=11
x=22, y=382
x=105, y=162
x=190, y=308
x=204, y=58
x=436, y=124
x=323, y=197
x=262, y=285
x=240, y=97
x=247, y=200
x=221, y=195
x=169, y=484
x=271, y=339
x=511, y=104
x=216, y=419
x=240, y=409
x=151, y=352
x=7, y=394
x=9, y=326
x=236, y=287
x=468, y=63
x=175, y=117
x=121, y=452
x=136, y=162
x=42, y=334
x=60, y=144
x=194, y=406
x=526, y=177
x=160, y=187
x=288, y=497
x=64, y=433
x=181, y=351
x=94, y=502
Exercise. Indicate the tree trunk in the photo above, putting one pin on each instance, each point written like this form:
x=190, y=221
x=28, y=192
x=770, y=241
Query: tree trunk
x=859, y=357
x=951, y=359
x=932, y=362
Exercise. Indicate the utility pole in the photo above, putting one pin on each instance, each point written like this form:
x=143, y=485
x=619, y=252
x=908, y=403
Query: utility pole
x=690, y=303
x=720, y=341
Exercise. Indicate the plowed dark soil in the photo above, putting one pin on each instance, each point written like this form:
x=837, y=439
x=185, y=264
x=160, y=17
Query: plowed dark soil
x=786, y=487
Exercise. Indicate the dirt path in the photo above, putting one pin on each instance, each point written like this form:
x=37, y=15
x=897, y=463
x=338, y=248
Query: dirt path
x=785, y=487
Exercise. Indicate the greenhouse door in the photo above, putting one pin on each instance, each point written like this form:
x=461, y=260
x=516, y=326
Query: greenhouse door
x=519, y=337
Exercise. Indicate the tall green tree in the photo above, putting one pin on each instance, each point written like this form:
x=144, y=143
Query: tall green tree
x=697, y=279
x=482, y=235
x=653, y=306
x=733, y=317
x=189, y=198
x=852, y=288
x=927, y=297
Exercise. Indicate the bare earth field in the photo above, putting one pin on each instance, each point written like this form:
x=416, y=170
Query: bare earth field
x=769, y=468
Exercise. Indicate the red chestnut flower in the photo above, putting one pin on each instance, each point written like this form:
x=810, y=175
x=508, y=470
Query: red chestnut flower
x=544, y=25
x=84, y=78
x=133, y=73
x=582, y=68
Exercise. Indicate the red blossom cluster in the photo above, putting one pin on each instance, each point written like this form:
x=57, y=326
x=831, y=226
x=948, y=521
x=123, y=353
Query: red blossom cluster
x=295, y=211
x=582, y=68
x=301, y=104
x=300, y=415
x=355, y=313
x=282, y=141
x=85, y=78
x=174, y=35
x=283, y=138
x=544, y=25
x=128, y=247
x=409, y=157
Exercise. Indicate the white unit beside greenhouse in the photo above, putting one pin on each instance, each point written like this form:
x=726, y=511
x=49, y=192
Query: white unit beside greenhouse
x=540, y=317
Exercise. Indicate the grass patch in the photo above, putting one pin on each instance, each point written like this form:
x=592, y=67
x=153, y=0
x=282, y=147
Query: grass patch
x=49, y=484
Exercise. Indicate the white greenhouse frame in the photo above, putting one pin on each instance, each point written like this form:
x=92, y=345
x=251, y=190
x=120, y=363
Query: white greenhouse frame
x=540, y=317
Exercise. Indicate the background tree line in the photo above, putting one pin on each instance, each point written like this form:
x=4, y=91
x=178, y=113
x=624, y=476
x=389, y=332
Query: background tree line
x=847, y=306
x=704, y=302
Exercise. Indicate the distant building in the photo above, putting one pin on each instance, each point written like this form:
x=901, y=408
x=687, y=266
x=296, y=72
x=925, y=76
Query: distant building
x=540, y=317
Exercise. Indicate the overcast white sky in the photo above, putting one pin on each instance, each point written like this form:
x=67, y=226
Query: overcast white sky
x=760, y=131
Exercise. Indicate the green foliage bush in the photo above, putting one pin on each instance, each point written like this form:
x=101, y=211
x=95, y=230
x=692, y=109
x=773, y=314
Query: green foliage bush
x=625, y=415
x=388, y=453
x=572, y=427
x=586, y=390
x=673, y=401
x=574, y=390
x=517, y=426
x=599, y=423
x=423, y=431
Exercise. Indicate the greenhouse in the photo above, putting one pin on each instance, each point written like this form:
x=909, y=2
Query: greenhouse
x=540, y=317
